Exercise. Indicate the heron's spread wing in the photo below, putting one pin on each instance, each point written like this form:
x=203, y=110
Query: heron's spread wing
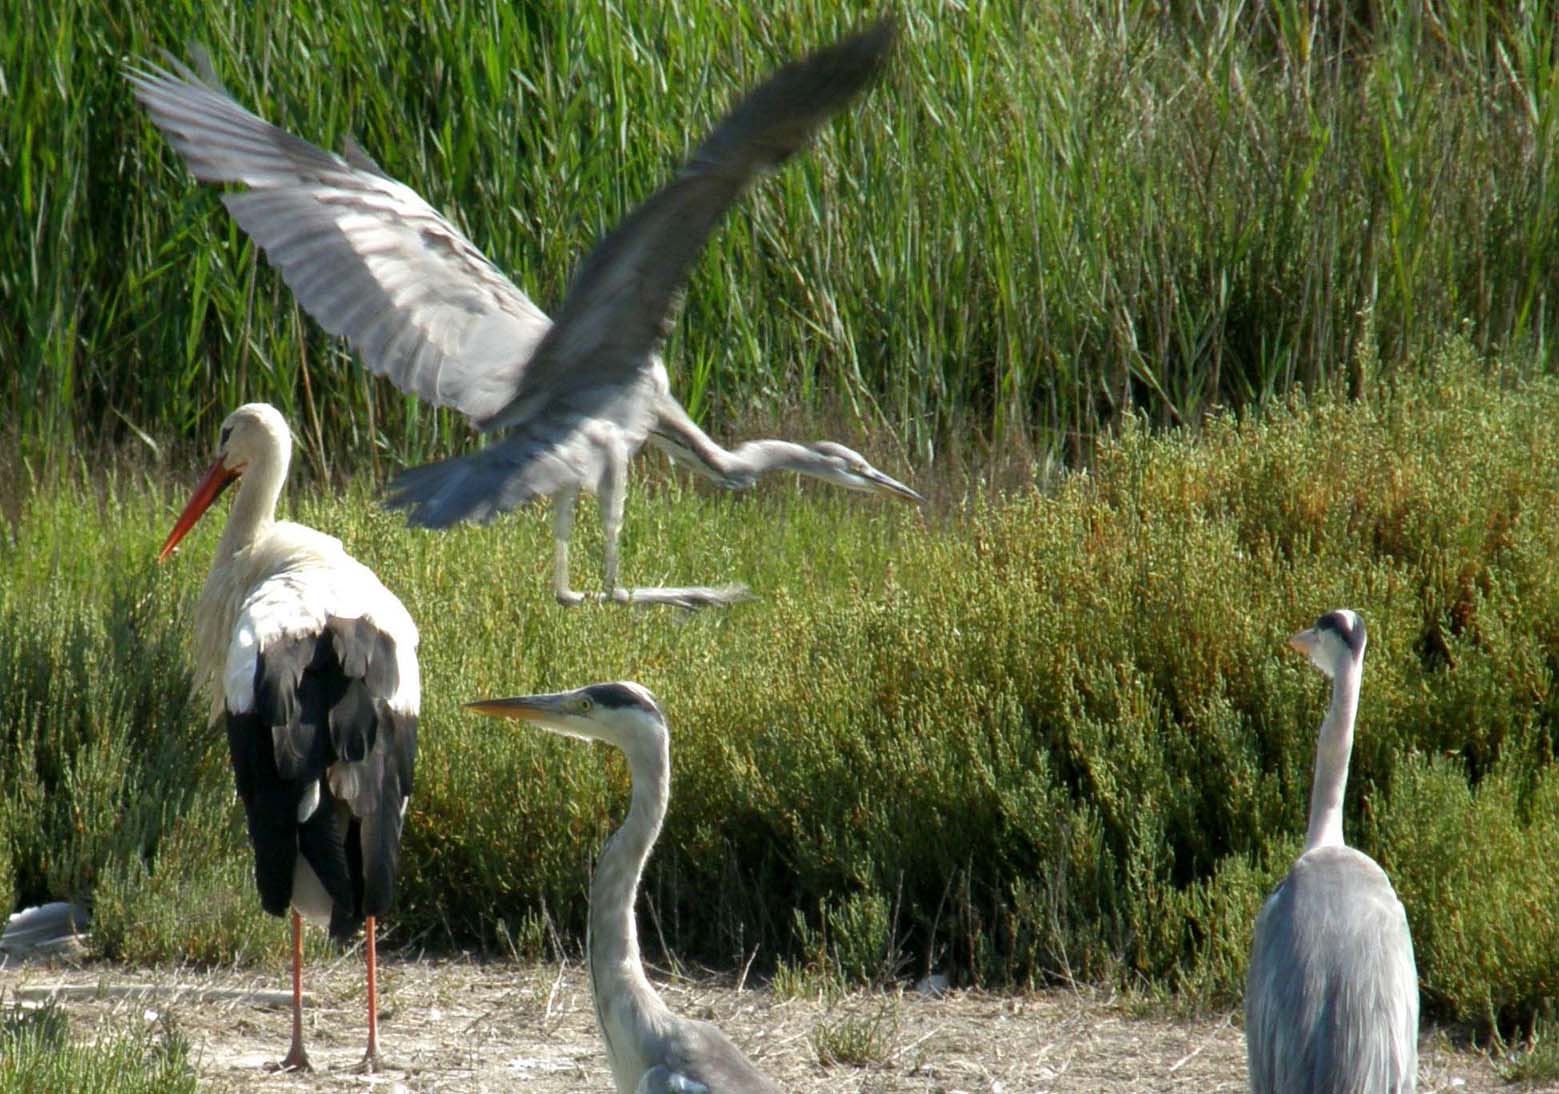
x=591, y=380
x=622, y=295
x=365, y=255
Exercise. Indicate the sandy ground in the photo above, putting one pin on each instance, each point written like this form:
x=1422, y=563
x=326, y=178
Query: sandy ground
x=452, y=1025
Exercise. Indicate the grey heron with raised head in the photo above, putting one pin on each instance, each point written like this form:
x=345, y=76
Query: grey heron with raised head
x=570, y=401
x=650, y=1049
x=1331, y=1001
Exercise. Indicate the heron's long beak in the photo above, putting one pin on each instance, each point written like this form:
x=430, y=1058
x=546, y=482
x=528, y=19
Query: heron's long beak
x=1305, y=641
x=218, y=478
x=886, y=484
x=527, y=708
x=553, y=712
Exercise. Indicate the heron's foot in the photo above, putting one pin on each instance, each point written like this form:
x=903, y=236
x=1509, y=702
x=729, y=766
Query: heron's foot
x=689, y=598
x=568, y=597
x=295, y=1060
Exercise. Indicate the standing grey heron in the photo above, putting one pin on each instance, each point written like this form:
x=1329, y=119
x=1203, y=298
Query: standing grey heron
x=311, y=665
x=574, y=399
x=1331, y=1002
x=650, y=1049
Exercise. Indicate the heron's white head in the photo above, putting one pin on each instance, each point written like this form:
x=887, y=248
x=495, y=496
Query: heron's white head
x=254, y=434
x=622, y=714
x=1335, y=642
x=848, y=468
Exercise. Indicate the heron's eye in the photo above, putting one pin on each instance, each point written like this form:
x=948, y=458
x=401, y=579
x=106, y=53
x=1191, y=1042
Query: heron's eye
x=227, y=432
x=583, y=704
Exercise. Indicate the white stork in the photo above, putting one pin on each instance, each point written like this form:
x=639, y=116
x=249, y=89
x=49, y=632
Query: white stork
x=311, y=665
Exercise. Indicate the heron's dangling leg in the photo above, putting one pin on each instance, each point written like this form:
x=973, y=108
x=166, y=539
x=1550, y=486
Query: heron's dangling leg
x=297, y=1059
x=613, y=492
x=562, y=528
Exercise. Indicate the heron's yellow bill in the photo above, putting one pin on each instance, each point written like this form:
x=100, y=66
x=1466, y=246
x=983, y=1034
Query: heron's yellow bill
x=526, y=707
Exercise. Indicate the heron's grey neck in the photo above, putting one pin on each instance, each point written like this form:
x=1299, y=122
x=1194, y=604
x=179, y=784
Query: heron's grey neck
x=679, y=437
x=1332, y=750
x=616, y=969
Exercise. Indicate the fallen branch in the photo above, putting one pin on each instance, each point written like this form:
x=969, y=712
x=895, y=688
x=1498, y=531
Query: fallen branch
x=259, y=997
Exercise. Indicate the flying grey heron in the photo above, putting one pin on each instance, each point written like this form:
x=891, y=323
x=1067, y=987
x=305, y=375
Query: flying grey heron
x=311, y=665
x=650, y=1049
x=573, y=400
x=1331, y=1002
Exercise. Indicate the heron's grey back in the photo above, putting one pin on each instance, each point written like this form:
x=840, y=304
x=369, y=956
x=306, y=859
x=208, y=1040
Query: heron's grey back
x=535, y=459
x=1331, y=1002
x=698, y=1058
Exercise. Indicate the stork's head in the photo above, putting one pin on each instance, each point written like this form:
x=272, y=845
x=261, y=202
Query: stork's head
x=848, y=468
x=1334, y=643
x=622, y=714
x=254, y=434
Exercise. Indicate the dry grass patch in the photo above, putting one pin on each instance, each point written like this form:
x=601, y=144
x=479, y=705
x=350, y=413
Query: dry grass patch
x=459, y=1025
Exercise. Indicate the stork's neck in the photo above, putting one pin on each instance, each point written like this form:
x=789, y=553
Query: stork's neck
x=254, y=509
x=1332, y=750
x=616, y=969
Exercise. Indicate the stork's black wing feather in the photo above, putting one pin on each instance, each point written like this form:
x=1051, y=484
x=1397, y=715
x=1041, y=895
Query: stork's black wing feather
x=321, y=718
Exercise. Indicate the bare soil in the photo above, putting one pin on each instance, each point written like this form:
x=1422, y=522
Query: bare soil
x=454, y=1025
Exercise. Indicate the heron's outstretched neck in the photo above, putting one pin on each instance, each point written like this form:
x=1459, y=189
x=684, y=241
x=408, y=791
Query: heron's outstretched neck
x=616, y=969
x=1333, y=747
x=679, y=437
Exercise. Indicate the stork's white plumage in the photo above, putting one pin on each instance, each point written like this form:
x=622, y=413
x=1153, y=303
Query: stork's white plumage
x=311, y=665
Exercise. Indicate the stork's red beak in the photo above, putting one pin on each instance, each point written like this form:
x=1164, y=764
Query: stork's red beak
x=218, y=478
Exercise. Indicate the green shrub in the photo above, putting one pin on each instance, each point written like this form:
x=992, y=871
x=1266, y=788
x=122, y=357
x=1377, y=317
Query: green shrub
x=1475, y=868
x=1057, y=736
x=37, y=1056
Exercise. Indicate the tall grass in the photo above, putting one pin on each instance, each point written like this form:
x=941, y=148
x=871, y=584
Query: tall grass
x=1049, y=215
x=1059, y=736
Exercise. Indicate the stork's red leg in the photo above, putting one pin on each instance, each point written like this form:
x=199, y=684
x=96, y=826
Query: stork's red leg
x=297, y=1059
x=371, y=1057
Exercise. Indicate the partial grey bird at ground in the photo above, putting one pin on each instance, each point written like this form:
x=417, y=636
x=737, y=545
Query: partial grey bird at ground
x=310, y=664
x=48, y=930
x=572, y=400
x=651, y=1050
x=1331, y=1002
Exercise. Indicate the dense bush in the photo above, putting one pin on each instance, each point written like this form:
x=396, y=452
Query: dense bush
x=1056, y=735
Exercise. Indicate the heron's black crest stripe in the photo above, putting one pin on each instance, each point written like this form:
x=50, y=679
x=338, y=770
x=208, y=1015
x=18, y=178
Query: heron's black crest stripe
x=1352, y=633
x=616, y=696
